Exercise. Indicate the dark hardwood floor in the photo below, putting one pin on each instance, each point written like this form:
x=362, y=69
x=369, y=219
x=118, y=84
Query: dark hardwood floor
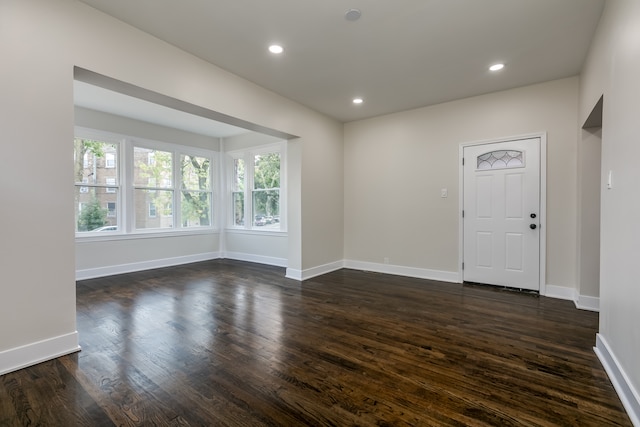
x=233, y=343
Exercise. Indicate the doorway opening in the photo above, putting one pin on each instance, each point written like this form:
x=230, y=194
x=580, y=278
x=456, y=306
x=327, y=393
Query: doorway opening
x=590, y=179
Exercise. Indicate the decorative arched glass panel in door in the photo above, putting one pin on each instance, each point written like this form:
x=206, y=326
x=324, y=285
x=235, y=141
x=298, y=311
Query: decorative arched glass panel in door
x=500, y=159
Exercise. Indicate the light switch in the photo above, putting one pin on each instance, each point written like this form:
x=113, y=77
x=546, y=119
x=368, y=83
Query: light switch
x=610, y=180
x=444, y=192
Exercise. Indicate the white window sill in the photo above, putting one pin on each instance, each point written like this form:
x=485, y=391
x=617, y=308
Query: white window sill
x=253, y=231
x=154, y=234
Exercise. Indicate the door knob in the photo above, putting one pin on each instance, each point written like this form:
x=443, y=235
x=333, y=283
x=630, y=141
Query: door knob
x=533, y=226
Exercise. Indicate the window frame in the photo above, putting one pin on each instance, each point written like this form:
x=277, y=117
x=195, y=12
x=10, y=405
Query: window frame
x=85, y=186
x=248, y=155
x=125, y=206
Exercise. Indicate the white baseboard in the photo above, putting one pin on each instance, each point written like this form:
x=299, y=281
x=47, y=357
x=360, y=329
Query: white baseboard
x=560, y=292
x=584, y=302
x=37, y=352
x=398, y=270
x=92, y=273
x=629, y=397
x=310, y=273
x=294, y=274
x=259, y=259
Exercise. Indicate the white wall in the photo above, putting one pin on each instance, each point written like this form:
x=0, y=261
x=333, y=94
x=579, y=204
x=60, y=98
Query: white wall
x=40, y=43
x=119, y=254
x=257, y=246
x=588, y=238
x=613, y=69
x=396, y=165
x=105, y=256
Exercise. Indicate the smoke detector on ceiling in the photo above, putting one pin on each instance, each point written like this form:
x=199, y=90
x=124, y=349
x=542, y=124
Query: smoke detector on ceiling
x=353, y=15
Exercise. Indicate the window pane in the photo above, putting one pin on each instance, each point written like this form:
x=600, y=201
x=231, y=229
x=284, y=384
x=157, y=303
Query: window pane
x=195, y=172
x=96, y=209
x=238, y=208
x=238, y=175
x=266, y=208
x=267, y=171
x=500, y=159
x=152, y=168
x=153, y=208
x=196, y=209
x=95, y=162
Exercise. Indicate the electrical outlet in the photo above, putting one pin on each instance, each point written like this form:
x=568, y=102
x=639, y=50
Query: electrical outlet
x=444, y=193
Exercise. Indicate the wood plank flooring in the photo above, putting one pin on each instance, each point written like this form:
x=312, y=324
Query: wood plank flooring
x=233, y=343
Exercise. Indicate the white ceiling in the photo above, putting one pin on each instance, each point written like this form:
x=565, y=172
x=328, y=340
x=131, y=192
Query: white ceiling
x=400, y=54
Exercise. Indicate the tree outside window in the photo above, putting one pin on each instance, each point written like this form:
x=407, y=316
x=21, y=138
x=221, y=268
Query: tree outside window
x=196, y=195
x=95, y=194
x=255, y=198
x=164, y=186
x=153, y=186
x=266, y=189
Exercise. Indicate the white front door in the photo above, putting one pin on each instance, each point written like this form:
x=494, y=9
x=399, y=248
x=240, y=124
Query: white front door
x=501, y=208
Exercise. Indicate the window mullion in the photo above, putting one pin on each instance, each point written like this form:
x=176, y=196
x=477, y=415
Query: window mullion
x=177, y=188
x=249, y=167
x=128, y=214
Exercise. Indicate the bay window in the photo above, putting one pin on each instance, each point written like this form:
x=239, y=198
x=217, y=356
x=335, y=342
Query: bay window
x=127, y=186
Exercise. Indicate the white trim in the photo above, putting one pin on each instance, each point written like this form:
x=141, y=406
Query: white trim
x=629, y=396
x=91, y=273
x=248, y=156
x=256, y=232
x=125, y=205
x=259, y=259
x=312, y=272
x=399, y=270
x=89, y=236
x=584, y=302
x=38, y=352
x=543, y=201
x=559, y=292
x=294, y=274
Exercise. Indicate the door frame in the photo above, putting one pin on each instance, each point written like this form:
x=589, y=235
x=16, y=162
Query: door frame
x=543, y=201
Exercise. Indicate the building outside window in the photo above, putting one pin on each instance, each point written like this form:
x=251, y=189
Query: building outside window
x=95, y=197
x=111, y=209
x=152, y=185
x=144, y=196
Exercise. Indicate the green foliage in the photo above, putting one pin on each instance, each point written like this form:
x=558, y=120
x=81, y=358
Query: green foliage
x=83, y=146
x=156, y=172
x=267, y=171
x=196, y=203
x=92, y=216
x=266, y=201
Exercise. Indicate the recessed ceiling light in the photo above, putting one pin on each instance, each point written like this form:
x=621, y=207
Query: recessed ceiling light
x=276, y=48
x=357, y=100
x=353, y=14
x=496, y=67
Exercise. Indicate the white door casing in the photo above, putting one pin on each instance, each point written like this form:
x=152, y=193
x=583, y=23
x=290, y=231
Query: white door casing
x=502, y=213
